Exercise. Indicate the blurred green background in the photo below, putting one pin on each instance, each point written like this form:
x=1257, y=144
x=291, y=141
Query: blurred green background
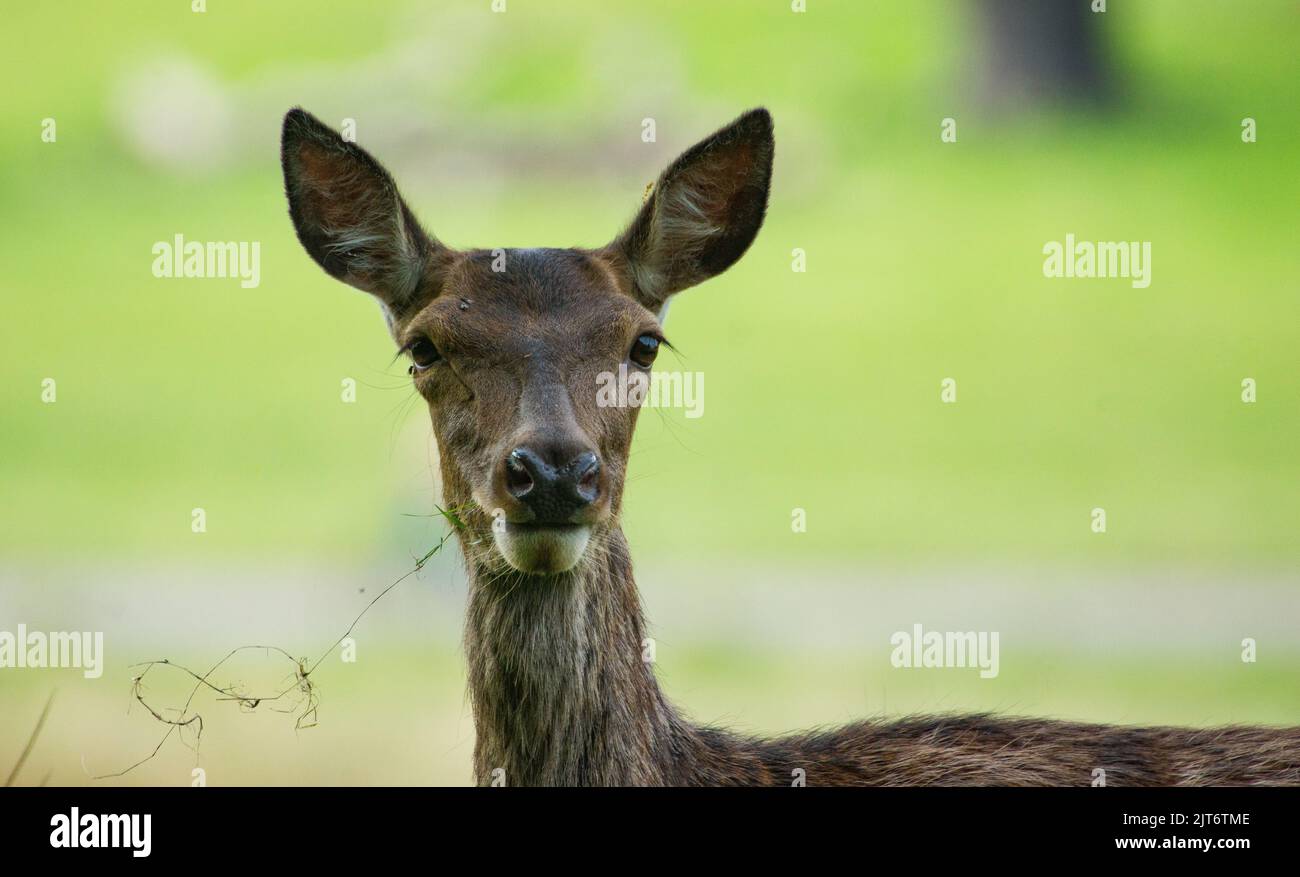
x=523, y=128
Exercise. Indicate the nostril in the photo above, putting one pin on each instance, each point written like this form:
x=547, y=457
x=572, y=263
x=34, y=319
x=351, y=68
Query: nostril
x=587, y=468
x=519, y=481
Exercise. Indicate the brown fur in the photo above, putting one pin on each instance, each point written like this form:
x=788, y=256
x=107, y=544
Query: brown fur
x=560, y=693
x=562, y=697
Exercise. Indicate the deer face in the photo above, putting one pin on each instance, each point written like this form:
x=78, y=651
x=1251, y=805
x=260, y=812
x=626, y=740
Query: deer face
x=511, y=348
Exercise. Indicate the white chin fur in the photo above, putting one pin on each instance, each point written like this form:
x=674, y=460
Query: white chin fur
x=542, y=550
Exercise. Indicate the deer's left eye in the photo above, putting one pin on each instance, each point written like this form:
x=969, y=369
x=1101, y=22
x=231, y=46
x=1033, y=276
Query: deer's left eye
x=644, y=351
x=423, y=354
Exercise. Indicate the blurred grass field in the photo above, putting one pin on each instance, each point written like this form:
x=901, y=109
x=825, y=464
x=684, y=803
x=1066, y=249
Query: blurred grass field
x=822, y=388
x=416, y=729
x=924, y=263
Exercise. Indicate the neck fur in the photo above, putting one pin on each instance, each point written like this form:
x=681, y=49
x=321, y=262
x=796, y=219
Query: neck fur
x=560, y=691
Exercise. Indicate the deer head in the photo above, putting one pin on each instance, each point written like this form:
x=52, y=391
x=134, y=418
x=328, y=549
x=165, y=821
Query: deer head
x=508, y=347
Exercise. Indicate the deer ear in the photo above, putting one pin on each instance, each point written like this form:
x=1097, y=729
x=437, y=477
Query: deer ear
x=702, y=213
x=349, y=215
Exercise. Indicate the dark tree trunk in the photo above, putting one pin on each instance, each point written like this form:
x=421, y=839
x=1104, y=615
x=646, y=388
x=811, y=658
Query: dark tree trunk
x=1041, y=51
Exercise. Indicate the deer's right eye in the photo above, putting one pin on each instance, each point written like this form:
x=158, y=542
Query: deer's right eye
x=423, y=354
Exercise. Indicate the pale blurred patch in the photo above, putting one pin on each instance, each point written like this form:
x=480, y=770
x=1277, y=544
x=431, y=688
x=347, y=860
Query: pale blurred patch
x=173, y=113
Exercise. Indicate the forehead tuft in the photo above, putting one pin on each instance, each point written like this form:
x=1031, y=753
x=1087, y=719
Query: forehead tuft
x=537, y=282
x=534, y=278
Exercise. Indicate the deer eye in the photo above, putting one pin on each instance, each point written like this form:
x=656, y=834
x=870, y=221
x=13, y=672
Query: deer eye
x=423, y=354
x=644, y=350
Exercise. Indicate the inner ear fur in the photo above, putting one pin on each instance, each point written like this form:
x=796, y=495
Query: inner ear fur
x=350, y=217
x=702, y=213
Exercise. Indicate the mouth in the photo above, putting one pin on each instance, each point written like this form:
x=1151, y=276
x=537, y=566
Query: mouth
x=540, y=549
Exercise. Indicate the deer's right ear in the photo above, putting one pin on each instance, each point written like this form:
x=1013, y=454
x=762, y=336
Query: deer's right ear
x=349, y=216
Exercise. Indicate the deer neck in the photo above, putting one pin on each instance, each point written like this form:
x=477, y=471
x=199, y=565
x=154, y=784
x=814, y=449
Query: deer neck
x=561, y=692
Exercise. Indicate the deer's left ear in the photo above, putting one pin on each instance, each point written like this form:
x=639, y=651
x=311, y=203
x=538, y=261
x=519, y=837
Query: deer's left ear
x=702, y=214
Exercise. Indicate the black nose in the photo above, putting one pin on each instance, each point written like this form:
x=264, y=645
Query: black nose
x=554, y=493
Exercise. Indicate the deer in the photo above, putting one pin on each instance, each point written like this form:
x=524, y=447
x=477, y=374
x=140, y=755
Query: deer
x=508, y=357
